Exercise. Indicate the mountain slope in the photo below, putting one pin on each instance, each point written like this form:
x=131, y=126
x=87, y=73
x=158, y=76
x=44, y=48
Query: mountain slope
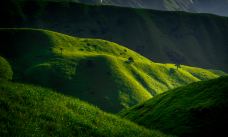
x=34, y=111
x=190, y=39
x=195, y=110
x=198, y=6
x=100, y=72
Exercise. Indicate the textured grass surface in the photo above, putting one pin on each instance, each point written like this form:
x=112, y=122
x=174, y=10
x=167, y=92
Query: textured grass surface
x=100, y=72
x=34, y=111
x=196, y=110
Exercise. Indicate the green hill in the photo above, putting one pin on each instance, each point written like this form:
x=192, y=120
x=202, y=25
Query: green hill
x=34, y=111
x=195, y=110
x=190, y=39
x=100, y=72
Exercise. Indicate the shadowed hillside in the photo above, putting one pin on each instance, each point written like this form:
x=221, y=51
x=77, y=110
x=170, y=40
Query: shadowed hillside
x=195, y=110
x=34, y=111
x=100, y=72
x=190, y=39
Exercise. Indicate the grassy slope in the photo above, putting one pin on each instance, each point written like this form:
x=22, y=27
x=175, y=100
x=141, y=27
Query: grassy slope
x=198, y=109
x=34, y=111
x=94, y=70
x=192, y=39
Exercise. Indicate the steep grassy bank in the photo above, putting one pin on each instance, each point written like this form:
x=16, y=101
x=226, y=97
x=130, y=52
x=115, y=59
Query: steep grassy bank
x=28, y=110
x=195, y=110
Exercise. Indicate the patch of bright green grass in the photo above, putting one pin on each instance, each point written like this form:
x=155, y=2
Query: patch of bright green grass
x=98, y=71
x=28, y=110
x=196, y=110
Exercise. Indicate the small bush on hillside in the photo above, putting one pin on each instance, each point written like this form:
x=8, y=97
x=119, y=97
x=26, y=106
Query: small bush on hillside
x=130, y=60
x=178, y=65
x=172, y=71
x=61, y=51
x=5, y=69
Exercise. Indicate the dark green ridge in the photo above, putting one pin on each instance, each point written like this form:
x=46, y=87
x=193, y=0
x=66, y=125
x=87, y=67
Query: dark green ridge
x=196, y=110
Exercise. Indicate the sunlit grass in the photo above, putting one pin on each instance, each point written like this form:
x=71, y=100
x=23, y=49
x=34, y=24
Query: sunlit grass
x=94, y=70
x=28, y=110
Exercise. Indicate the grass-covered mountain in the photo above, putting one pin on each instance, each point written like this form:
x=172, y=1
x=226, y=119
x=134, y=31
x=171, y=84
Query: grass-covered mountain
x=195, y=110
x=191, y=39
x=28, y=110
x=100, y=72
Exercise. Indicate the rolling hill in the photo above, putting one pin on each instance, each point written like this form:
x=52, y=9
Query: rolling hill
x=100, y=72
x=190, y=39
x=28, y=110
x=196, y=110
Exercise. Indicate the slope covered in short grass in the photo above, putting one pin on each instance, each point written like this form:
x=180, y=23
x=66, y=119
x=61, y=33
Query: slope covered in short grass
x=196, y=110
x=28, y=110
x=100, y=72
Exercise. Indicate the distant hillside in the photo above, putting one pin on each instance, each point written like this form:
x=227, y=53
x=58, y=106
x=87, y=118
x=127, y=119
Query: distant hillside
x=192, y=39
x=219, y=7
x=195, y=110
x=34, y=111
x=100, y=72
